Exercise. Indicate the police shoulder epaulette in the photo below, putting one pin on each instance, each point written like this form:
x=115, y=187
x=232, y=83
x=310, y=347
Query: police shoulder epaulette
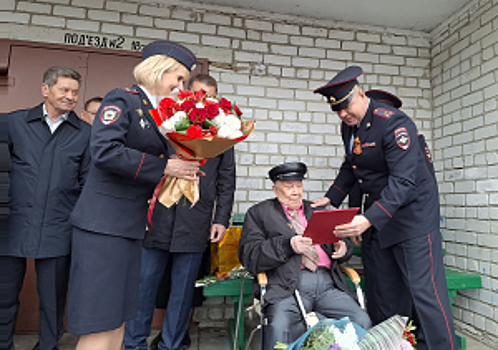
x=383, y=112
x=131, y=91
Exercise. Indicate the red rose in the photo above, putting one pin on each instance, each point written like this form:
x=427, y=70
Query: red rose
x=182, y=95
x=237, y=110
x=212, y=110
x=225, y=104
x=200, y=95
x=194, y=131
x=188, y=106
x=167, y=108
x=213, y=130
x=197, y=115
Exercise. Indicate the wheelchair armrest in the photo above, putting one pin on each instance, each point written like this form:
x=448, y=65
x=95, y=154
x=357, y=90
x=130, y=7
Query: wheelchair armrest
x=352, y=274
x=262, y=279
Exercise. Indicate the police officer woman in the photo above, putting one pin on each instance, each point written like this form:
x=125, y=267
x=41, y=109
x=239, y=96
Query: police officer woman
x=110, y=217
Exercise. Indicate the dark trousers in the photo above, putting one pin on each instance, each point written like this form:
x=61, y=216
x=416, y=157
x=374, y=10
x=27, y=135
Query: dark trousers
x=51, y=279
x=184, y=268
x=411, y=269
x=318, y=293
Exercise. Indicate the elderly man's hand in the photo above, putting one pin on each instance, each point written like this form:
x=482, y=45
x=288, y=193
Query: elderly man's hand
x=355, y=228
x=300, y=244
x=340, y=249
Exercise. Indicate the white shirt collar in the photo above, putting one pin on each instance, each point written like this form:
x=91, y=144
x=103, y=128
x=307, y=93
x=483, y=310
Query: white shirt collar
x=53, y=125
x=153, y=99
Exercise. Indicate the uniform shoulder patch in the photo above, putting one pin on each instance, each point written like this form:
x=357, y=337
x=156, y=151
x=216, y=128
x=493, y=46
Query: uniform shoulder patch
x=383, y=112
x=402, y=138
x=109, y=114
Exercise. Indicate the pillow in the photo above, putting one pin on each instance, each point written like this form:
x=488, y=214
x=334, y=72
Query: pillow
x=387, y=335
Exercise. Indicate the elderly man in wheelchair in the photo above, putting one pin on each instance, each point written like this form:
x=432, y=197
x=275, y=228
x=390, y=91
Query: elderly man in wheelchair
x=300, y=275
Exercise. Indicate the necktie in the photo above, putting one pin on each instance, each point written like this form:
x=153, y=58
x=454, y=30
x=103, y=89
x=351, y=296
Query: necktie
x=310, y=257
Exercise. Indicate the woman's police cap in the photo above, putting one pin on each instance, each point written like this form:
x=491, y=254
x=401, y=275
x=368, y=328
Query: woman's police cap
x=288, y=171
x=384, y=97
x=340, y=90
x=170, y=49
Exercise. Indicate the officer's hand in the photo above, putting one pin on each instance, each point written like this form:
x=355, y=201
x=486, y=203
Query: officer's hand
x=217, y=233
x=355, y=228
x=340, y=249
x=320, y=202
x=300, y=244
x=183, y=169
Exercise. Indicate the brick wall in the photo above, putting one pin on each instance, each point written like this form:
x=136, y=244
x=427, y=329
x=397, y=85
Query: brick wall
x=270, y=64
x=464, y=85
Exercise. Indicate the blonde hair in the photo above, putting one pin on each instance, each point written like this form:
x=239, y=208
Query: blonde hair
x=148, y=73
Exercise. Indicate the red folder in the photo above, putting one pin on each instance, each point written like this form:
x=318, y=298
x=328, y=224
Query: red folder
x=323, y=222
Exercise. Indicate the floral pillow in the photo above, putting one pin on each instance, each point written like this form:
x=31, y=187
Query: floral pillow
x=387, y=335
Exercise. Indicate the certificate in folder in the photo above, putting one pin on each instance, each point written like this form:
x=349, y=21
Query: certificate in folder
x=322, y=223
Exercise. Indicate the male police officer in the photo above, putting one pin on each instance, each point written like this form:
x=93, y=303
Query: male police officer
x=401, y=220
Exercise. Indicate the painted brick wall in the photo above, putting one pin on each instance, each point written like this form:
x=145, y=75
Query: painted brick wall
x=464, y=85
x=270, y=64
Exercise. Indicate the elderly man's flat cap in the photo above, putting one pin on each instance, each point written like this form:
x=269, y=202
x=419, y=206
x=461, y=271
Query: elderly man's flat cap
x=170, y=49
x=340, y=90
x=384, y=97
x=288, y=171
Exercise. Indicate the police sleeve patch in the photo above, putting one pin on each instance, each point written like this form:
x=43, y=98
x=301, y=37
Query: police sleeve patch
x=383, y=112
x=109, y=114
x=402, y=138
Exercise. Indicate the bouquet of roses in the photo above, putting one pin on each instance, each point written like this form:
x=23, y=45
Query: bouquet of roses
x=198, y=127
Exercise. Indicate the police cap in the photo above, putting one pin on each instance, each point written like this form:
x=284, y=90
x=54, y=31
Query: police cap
x=170, y=49
x=384, y=97
x=288, y=171
x=339, y=91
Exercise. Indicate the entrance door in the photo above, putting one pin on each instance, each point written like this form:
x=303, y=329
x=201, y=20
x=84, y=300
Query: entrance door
x=22, y=65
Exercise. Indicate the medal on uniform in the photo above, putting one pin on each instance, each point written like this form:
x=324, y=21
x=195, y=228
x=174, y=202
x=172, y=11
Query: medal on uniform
x=144, y=123
x=357, y=146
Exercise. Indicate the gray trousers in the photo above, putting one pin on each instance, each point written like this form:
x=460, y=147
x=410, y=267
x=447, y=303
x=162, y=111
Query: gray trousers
x=318, y=293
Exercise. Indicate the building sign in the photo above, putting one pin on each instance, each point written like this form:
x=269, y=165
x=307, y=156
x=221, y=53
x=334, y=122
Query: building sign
x=102, y=42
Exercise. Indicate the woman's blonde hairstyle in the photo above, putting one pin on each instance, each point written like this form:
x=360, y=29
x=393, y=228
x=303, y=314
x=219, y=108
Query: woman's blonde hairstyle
x=148, y=73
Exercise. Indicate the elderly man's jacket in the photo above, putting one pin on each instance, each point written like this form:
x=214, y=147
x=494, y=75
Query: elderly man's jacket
x=265, y=247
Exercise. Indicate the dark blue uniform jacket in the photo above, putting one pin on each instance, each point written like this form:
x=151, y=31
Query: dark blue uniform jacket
x=128, y=160
x=48, y=172
x=401, y=192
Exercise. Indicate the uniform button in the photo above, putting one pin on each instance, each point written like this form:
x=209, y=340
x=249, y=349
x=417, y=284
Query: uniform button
x=360, y=181
x=161, y=156
x=354, y=167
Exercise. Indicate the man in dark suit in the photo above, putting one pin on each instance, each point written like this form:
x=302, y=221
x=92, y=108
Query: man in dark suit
x=176, y=240
x=48, y=145
x=401, y=218
x=272, y=242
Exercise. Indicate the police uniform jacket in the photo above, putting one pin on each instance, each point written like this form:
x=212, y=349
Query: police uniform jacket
x=391, y=169
x=265, y=247
x=48, y=173
x=185, y=229
x=128, y=160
